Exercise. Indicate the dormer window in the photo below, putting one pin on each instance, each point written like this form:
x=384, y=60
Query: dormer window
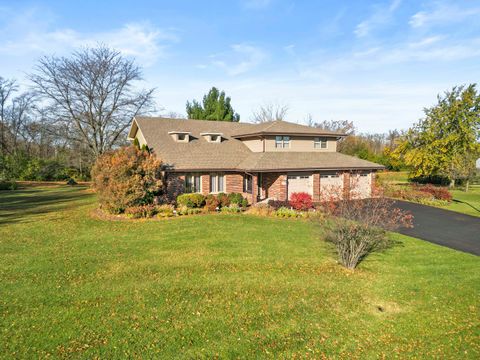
x=282, y=142
x=212, y=137
x=320, y=143
x=180, y=136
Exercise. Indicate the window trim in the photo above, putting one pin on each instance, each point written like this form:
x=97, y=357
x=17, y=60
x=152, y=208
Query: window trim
x=247, y=180
x=320, y=143
x=192, y=177
x=219, y=178
x=282, y=141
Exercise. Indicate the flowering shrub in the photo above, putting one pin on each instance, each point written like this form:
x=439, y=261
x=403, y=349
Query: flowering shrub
x=125, y=178
x=301, y=201
x=191, y=200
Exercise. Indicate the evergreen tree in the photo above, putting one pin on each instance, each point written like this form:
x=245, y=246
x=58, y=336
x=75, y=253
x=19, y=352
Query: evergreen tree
x=215, y=106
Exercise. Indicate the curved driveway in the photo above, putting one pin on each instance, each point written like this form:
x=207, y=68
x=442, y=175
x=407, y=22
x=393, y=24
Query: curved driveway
x=444, y=227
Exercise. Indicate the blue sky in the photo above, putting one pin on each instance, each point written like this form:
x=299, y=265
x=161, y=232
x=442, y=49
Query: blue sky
x=377, y=63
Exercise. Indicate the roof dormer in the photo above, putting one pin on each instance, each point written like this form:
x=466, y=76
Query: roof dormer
x=212, y=137
x=180, y=136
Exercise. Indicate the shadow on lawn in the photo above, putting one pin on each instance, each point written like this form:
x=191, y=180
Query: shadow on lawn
x=20, y=205
x=466, y=203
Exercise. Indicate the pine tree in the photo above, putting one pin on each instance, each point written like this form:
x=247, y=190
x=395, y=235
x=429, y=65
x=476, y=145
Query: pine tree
x=215, y=107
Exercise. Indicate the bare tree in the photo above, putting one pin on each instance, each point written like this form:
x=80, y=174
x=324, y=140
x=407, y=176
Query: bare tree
x=270, y=112
x=91, y=95
x=344, y=126
x=7, y=88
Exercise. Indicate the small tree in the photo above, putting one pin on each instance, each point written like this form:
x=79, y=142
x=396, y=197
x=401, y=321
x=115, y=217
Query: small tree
x=126, y=177
x=360, y=227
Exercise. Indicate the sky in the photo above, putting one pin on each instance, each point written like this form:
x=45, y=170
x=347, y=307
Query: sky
x=376, y=63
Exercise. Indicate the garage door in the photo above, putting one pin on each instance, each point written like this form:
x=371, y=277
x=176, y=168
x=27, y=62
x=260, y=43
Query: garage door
x=300, y=183
x=361, y=185
x=331, y=185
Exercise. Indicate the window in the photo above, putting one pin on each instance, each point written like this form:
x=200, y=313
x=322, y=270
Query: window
x=326, y=176
x=282, y=142
x=320, y=143
x=192, y=183
x=181, y=137
x=247, y=183
x=217, y=183
x=214, y=138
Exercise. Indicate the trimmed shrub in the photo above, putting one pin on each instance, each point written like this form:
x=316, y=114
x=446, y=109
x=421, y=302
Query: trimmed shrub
x=184, y=210
x=277, y=204
x=8, y=185
x=191, y=201
x=211, y=203
x=301, y=201
x=232, y=209
x=165, y=210
x=125, y=178
x=223, y=199
x=141, y=211
x=235, y=198
x=438, y=192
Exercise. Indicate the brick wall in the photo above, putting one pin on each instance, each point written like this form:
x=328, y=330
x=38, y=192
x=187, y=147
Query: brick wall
x=346, y=185
x=316, y=187
x=275, y=185
x=205, y=184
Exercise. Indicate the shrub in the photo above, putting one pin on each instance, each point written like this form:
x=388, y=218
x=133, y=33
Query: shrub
x=8, y=185
x=211, y=203
x=141, y=211
x=223, y=199
x=301, y=201
x=277, y=204
x=284, y=212
x=260, y=210
x=126, y=178
x=184, y=210
x=191, y=201
x=359, y=227
x=232, y=209
x=165, y=210
x=438, y=192
x=71, y=182
x=244, y=203
x=235, y=198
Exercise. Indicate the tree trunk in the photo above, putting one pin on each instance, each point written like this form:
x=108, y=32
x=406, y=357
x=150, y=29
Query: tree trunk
x=467, y=185
x=452, y=183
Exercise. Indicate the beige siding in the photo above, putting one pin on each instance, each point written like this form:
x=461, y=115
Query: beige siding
x=301, y=144
x=254, y=144
x=140, y=137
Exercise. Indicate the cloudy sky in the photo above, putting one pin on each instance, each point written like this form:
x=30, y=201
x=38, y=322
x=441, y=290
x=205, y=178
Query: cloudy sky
x=377, y=63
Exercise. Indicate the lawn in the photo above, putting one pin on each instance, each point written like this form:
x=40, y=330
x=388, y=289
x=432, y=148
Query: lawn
x=227, y=286
x=466, y=202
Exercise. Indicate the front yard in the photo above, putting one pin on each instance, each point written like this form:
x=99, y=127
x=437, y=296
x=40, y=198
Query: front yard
x=219, y=286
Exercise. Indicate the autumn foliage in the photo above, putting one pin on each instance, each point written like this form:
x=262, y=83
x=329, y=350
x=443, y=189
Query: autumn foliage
x=125, y=178
x=301, y=201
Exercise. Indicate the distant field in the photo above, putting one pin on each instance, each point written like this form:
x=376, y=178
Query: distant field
x=219, y=286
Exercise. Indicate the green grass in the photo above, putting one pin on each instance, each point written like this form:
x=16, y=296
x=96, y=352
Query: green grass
x=466, y=202
x=227, y=286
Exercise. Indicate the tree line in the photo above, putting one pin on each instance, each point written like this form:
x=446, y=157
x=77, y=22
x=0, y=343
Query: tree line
x=79, y=107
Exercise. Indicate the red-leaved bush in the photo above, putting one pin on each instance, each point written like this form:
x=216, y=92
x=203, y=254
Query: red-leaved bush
x=438, y=192
x=125, y=178
x=301, y=201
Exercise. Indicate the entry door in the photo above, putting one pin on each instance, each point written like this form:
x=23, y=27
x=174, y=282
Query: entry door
x=300, y=183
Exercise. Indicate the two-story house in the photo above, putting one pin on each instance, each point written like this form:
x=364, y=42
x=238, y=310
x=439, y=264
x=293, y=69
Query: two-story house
x=268, y=160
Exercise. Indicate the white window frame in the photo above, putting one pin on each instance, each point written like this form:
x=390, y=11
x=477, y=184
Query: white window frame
x=193, y=180
x=246, y=180
x=329, y=175
x=216, y=180
x=320, y=143
x=282, y=142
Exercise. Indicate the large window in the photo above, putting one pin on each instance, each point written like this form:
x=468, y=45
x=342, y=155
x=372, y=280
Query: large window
x=247, y=183
x=192, y=183
x=217, y=183
x=320, y=143
x=282, y=142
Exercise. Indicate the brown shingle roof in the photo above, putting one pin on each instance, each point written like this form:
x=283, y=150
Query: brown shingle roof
x=231, y=153
x=284, y=127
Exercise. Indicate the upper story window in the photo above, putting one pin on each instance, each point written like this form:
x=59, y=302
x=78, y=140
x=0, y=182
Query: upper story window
x=282, y=142
x=320, y=143
x=192, y=183
x=217, y=183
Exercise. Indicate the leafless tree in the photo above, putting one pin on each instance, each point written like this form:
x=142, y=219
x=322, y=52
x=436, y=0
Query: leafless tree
x=270, y=112
x=91, y=95
x=7, y=89
x=343, y=126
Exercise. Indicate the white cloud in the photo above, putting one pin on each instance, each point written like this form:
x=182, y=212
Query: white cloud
x=381, y=16
x=441, y=14
x=256, y=4
x=251, y=57
x=23, y=35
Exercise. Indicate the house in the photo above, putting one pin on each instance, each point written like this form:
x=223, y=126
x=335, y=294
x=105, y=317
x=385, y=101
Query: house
x=268, y=160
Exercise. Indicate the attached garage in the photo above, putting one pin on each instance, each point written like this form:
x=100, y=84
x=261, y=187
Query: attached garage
x=300, y=183
x=331, y=184
x=361, y=185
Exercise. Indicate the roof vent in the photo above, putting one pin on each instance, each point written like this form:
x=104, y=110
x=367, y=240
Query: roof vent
x=180, y=136
x=212, y=137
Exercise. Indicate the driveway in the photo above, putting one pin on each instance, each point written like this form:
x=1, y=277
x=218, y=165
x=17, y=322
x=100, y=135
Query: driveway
x=443, y=227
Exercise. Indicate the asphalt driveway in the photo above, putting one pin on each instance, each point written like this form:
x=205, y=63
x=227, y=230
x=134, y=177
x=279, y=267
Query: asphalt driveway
x=444, y=227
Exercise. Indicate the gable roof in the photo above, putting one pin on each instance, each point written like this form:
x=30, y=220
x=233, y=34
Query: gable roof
x=232, y=154
x=284, y=128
